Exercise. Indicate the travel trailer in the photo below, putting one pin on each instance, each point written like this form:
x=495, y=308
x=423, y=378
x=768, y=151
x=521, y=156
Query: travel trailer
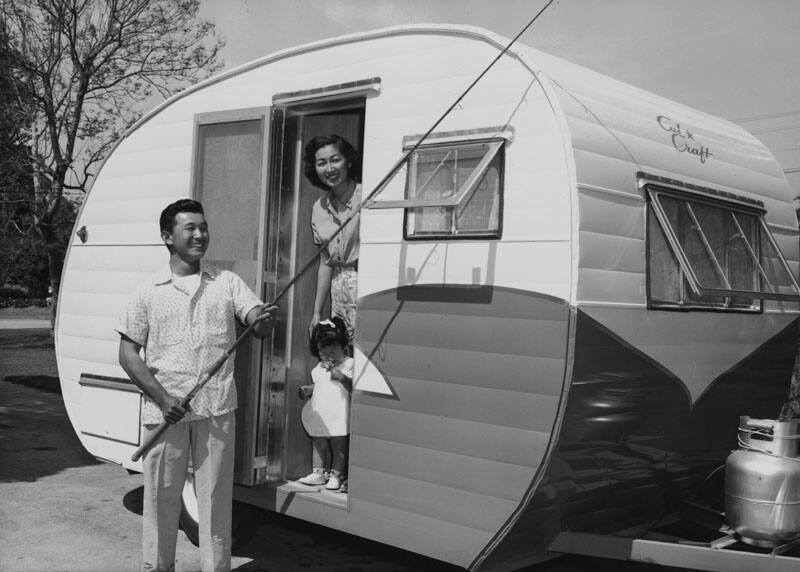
x=567, y=296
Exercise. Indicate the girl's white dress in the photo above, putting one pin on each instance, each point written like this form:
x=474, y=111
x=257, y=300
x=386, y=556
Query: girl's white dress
x=327, y=413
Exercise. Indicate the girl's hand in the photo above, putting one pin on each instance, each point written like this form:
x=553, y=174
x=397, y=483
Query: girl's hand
x=346, y=381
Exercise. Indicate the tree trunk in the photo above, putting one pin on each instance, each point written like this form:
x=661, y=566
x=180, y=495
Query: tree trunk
x=54, y=251
x=791, y=407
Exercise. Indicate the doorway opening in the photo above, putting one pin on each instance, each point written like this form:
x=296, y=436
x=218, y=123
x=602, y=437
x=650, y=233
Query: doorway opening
x=283, y=439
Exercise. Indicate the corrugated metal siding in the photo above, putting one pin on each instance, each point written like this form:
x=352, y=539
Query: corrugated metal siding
x=476, y=390
x=614, y=133
x=96, y=283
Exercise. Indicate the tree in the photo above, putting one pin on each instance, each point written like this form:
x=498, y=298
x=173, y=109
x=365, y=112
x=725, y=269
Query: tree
x=16, y=184
x=79, y=73
x=791, y=407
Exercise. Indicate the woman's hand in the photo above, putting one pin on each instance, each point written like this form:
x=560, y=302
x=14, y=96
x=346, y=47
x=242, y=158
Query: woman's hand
x=315, y=319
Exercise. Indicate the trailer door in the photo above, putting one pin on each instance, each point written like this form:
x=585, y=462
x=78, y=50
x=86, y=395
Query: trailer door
x=229, y=178
x=283, y=446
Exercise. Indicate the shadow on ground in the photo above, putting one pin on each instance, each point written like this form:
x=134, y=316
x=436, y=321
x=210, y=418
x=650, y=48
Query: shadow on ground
x=281, y=542
x=133, y=500
x=43, y=382
x=36, y=437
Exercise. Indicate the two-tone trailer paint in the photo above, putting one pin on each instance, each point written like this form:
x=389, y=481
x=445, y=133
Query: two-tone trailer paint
x=567, y=296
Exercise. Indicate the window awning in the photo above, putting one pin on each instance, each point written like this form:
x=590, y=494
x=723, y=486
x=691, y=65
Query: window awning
x=488, y=149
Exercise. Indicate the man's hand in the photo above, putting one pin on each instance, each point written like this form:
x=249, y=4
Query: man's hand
x=265, y=317
x=172, y=409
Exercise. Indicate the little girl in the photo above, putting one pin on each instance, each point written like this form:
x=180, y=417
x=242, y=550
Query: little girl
x=326, y=417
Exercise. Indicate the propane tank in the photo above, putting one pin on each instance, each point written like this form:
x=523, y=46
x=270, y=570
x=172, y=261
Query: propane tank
x=762, y=483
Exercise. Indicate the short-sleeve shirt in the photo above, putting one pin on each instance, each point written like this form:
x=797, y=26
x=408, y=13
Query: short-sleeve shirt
x=184, y=331
x=326, y=220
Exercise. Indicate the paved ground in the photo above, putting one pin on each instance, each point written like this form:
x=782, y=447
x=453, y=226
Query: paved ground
x=24, y=318
x=23, y=323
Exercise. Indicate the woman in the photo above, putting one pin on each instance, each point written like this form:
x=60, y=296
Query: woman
x=331, y=164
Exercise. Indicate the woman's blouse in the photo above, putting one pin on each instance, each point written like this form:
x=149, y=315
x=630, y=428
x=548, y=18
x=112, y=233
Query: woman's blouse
x=327, y=215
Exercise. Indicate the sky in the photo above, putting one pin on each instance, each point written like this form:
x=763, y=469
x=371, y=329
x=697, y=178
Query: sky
x=737, y=59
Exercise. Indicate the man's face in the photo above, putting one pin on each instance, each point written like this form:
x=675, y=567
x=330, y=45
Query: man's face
x=189, y=236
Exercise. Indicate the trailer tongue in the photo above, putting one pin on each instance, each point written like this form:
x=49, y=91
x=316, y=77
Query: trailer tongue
x=720, y=556
x=759, y=530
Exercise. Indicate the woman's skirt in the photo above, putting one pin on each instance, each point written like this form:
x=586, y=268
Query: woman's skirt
x=344, y=296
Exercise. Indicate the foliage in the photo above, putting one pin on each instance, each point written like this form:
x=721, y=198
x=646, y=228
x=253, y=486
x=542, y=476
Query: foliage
x=75, y=75
x=22, y=302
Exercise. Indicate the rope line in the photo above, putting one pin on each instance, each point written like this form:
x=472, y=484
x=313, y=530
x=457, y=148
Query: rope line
x=748, y=447
x=386, y=178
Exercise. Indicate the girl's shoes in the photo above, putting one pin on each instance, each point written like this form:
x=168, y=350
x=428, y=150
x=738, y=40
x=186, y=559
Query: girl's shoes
x=315, y=478
x=335, y=481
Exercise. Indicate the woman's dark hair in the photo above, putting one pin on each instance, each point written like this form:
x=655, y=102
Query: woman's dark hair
x=309, y=158
x=327, y=333
x=167, y=220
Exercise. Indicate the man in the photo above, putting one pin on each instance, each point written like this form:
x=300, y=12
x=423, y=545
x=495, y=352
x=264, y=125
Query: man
x=184, y=318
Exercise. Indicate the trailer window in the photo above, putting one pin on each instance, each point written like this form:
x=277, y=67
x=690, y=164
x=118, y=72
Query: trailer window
x=463, y=183
x=707, y=253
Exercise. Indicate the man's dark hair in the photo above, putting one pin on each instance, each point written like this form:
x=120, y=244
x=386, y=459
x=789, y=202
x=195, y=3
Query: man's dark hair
x=167, y=220
x=342, y=145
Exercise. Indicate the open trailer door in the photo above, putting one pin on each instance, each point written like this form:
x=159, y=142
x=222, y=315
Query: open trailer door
x=229, y=178
x=283, y=449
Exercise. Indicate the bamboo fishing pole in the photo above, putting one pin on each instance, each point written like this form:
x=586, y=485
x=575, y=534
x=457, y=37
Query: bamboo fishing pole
x=365, y=203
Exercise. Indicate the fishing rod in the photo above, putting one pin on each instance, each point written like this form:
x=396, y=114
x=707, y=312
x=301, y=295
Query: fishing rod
x=153, y=437
x=391, y=173
x=365, y=203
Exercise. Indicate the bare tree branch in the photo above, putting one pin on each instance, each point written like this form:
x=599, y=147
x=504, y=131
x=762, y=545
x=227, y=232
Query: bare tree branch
x=87, y=69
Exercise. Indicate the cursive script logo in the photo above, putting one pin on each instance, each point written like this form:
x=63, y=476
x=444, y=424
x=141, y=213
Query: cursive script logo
x=683, y=140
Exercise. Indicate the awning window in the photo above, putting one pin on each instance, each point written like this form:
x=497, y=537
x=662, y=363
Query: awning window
x=707, y=252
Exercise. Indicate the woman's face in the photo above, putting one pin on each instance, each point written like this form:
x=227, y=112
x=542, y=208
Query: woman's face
x=331, y=165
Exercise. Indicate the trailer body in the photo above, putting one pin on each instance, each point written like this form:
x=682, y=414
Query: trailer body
x=559, y=319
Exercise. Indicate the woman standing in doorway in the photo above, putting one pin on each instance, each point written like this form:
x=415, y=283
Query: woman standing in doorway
x=332, y=164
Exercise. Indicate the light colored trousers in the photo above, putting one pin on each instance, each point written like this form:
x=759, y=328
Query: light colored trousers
x=211, y=444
